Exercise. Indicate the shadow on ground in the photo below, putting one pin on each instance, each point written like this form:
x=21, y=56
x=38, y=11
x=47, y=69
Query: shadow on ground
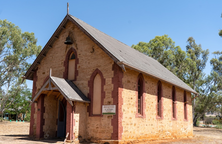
x=27, y=138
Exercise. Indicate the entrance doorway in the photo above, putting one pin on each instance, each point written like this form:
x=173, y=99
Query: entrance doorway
x=61, y=131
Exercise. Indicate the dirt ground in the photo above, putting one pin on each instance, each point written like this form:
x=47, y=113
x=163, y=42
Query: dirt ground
x=17, y=133
x=201, y=136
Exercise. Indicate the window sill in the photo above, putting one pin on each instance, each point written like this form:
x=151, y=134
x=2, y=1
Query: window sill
x=139, y=115
x=174, y=119
x=159, y=118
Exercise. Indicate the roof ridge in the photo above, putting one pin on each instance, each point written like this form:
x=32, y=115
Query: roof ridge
x=132, y=57
x=99, y=30
x=113, y=38
x=118, y=51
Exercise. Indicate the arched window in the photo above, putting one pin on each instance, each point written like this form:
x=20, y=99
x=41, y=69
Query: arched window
x=159, y=99
x=97, y=89
x=71, y=66
x=140, y=95
x=185, y=105
x=174, y=102
x=96, y=93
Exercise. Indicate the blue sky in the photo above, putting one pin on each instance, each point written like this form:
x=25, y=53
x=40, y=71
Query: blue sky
x=129, y=21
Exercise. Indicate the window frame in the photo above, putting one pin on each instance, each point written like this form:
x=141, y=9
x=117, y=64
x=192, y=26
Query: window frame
x=142, y=99
x=174, y=103
x=185, y=106
x=66, y=63
x=74, y=66
x=90, y=94
x=159, y=105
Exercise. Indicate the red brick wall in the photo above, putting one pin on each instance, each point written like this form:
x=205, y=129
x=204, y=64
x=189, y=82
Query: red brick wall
x=40, y=119
x=31, y=130
x=69, y=121
x=117, y=100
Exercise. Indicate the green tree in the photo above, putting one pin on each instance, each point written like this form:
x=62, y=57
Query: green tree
x=198, y=59
x=21, y=102
x=209, y=88
x=220, y=32
x=159, y=48
x=163, y=49
x=217, y=62
x=16, y=49
x=187, y=65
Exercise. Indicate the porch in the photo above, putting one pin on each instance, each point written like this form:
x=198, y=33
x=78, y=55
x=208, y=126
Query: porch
x=56, y=108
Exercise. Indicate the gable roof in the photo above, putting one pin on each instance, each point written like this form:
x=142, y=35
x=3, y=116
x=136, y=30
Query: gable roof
x=66, y=87
x=122, y=54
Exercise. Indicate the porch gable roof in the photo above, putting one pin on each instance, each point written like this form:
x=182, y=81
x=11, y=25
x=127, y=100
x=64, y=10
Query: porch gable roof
x=66, y=87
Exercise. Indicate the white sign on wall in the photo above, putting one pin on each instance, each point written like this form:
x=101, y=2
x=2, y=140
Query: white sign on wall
x=109, y=109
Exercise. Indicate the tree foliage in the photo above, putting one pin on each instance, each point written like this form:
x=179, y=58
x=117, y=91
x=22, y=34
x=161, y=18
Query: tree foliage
x=17, y=48
x=21, y=102
x=209, y=89
x=189, y=66
x=198, y=60
x=216, y=62
x=163, y=49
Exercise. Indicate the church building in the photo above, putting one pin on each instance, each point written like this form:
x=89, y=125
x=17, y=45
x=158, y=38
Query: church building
x=94, y=88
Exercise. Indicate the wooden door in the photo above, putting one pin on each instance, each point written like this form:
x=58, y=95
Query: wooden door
x=61, y=131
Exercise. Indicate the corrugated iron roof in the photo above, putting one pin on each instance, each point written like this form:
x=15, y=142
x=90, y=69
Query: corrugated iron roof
x=121, y=53
x=69, y=89
x=66, y=87
x=133, y=58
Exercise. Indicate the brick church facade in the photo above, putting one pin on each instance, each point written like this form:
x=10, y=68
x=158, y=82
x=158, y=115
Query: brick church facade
x=95, y=70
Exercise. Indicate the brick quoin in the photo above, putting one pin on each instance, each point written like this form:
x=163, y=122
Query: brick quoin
x=66, y=63
x=40, y=120
x=69, y=121
x=120, y=114
x=118, y=101
x=34, y=88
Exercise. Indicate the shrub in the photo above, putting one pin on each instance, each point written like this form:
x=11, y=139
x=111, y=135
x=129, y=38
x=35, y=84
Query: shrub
x=216, y=122
x=209, y=120
x=198, y=122
x=219, y=126
x=1, y=119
